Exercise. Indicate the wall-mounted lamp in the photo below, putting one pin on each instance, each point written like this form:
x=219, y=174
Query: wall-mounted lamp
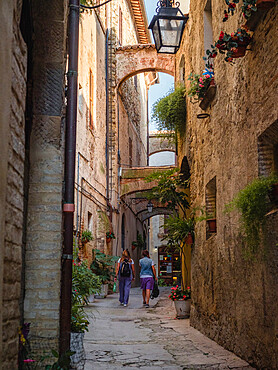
x=150, y=207
x=167, y=26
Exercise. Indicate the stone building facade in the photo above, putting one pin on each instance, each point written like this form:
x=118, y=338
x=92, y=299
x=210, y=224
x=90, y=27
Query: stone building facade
x=112, y=125
x=32, y=98
x=234, y=299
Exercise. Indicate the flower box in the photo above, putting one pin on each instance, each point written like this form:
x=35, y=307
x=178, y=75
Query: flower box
x=209, y=96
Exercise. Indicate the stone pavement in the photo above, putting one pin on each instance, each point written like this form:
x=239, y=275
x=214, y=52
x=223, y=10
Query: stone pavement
x=135, y=337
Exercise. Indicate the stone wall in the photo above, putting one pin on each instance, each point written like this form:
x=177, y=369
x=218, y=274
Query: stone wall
x=46, y=174
x=234, y=300
x=14, y=97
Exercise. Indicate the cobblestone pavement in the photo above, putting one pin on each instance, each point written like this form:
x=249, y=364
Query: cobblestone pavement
x=135, y=337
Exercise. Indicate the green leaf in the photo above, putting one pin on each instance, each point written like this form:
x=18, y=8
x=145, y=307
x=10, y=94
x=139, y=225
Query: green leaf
x=55, y=353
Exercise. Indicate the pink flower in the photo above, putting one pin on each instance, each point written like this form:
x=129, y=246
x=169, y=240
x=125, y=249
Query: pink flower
x=200, y=85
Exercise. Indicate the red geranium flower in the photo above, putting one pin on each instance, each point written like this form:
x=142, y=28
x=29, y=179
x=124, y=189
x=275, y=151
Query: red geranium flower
x=221, y=35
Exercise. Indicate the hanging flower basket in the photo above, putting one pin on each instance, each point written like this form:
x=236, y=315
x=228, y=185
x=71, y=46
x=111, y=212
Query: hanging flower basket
x=209, y=95
x=109, y=236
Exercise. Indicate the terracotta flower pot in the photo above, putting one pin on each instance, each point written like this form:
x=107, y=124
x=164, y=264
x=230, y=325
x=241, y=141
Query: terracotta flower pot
x=265, y=4
x=239, y=52
x=212, y=225
x=108, y=240
x=189, y=239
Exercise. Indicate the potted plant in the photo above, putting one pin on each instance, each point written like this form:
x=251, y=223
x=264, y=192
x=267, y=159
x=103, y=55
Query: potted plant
x=86, y=236
x=109, y=236
x=182, y=301
x=202, y=88
x=253, y=203
x=234, y=45
x=79, y=324
x=249, y=7
x=134, y=245
x=103, y=267
x=84, y=282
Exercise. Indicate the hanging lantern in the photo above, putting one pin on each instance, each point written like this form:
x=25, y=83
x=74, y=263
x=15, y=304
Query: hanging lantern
x=167, y=27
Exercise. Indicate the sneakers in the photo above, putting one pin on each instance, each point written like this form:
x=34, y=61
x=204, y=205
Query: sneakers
x=144, y=303
x=121, y=303
x=125, y=305
x=147, y=305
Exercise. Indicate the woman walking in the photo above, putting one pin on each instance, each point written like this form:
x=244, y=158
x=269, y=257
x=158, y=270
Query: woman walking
x=126, y=273
x=147, y=276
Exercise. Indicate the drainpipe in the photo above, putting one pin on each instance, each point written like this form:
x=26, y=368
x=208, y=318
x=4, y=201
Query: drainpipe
x=107, y=117
x=70, y=151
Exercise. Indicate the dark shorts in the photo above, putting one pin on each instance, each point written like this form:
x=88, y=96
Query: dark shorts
x=147, y=283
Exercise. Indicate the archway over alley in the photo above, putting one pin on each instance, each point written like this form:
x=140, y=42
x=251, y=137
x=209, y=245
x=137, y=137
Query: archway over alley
x=134, y=59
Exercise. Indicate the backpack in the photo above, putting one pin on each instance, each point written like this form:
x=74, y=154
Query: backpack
x=125, y=269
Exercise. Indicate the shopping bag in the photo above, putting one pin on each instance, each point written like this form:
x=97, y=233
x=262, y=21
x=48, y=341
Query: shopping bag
x=155, y=291
x=115, y=287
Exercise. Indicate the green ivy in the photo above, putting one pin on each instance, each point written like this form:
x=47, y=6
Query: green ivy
x=169, y=112
x=253, y=203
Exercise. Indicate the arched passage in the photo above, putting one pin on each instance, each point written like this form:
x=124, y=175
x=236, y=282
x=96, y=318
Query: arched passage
x=134, y=59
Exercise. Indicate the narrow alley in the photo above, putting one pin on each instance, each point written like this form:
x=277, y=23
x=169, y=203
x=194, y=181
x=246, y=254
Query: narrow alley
x=136, y=337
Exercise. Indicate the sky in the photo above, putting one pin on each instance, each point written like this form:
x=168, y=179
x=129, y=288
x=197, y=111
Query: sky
x=166, y=81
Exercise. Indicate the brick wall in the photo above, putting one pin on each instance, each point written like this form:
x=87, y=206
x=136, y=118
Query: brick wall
x=234, y=300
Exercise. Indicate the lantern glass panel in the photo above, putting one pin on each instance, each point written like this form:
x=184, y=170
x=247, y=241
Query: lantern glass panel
x=170, y=31
x=156, y=35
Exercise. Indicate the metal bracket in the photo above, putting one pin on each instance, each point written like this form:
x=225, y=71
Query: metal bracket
x=67, y=256
x=72, y=73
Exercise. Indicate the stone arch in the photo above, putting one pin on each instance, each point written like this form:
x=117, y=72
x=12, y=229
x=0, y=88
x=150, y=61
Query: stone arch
x=162, y=150
x=145, y=215
x=134, y=59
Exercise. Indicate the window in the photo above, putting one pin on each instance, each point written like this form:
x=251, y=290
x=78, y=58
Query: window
x=90, y=221
x=268, y=150
x=211, y=206
x=208, y=35
x=91, y=99
x=120, y=26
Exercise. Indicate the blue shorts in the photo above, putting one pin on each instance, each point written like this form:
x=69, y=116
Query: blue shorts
x=147, y=283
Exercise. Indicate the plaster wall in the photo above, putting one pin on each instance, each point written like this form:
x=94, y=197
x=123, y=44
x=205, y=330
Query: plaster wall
x=90, y=196
x=234, y=300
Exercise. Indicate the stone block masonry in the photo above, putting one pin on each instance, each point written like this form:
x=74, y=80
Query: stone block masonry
x=234, y=301
x=14, y=200
x=44, y=215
